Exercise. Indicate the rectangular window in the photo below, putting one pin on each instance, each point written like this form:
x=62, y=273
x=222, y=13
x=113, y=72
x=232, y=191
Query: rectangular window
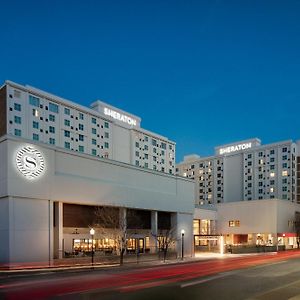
x=94, y=121
x=18, y=132
x=106, y=124
x=137, y=144
x=234, y=223
x=35, y=101
x=17, y=106
x=18, y=120
x=146, y=156
x=35, y=112
x=154, y=142
x=146, y=147
x=137, y=163
x=67, y=123
x=272, y=167
x=284, y=157
x=106, y=145
x=146, y=139
x=94, y=152
x=81, y=116
x=67, y=111
x=284, y=173
x=81, y=137
x=53, y=107
x=284, y=188
x=52, y=141
x=35, y=125
x=164, y=146
x=284, y=149
x=80, y=148
x=284, y=165
x=35, y=137
x=67, y=145
x=146, y=165
x=80, y=126
x=106, y=134
x=94, y=142
x=272, y=151
x=94, y=131
x=137, y=153
x=51, y=129
x=52, y=118
x=67, y=133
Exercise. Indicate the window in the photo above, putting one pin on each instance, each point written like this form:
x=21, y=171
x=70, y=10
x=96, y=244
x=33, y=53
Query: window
x=260, y=154
x=106, y=125
x=106, y=134
x=249, y=155
x=18, y=132
x=34, y=101
x=272, y=167
x=51, y=129
x=146, y=156
x=137, y=144
x=137, y=153
x=52, y=118
x=249, y=163
x=272, y=159
x=94, y=152
x=67, y=133
x=106, y=145
x=272, y=151
x=137, y=163
x=272, y=174
x=284, y=157
x=35, y=125
x=154, y=150
x=35, y=112
x=17, y=120
x=52, y=141
x=17, y=106
x=260, y=176
x=163, y=145
x=94, y=142
x=284, y=188
x=154, y=142
x=67, y=111
x=53, y=107
x=284, y=180
x=67, y=145
x=234, y=223
x=81, y=116
x=81, y=137
x=284, y=165
x=284, y=173
x=260, y=191
x=284, y=149
x=272, y=182
x=94, y=121
x=67, y=123
x=154, y=158
x=35, y=137
x=271, y=190
x=146, y=147
x=162, y=161
x=80, y=126
x=284, y=196
x=94, y=131
x=146, y=165
x=80, y=148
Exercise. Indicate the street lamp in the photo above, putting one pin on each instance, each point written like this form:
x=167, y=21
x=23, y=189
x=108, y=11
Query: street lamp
x=92, y=232
x=182, y=243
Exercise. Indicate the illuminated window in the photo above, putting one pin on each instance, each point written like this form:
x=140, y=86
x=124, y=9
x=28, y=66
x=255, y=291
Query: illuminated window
x=234, y=223
x=271, y=190
x=184, y=174
x=272, y=174
x=196, y=227
x=284, y=173
x=35, y=112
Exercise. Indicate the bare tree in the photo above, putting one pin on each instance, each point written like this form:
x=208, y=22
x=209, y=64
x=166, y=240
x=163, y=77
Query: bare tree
x=111, y=223
x=165, y=239
x=297, y=227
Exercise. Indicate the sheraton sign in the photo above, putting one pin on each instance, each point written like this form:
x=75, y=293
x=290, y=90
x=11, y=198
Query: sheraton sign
x=235, y=148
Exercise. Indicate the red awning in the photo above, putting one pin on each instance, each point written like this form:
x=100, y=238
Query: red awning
x=286, y=234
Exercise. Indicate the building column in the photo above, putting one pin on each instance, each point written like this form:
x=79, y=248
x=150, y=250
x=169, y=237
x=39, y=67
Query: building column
x=153, y=236
x=58, y=230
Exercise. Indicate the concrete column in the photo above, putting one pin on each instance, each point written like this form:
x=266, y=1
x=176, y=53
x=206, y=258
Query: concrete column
x=153, y=240
x=58, y=230
x=123, y=223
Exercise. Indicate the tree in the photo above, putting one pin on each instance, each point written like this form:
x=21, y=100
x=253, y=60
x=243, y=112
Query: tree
x=165, y=239
x=111, y=222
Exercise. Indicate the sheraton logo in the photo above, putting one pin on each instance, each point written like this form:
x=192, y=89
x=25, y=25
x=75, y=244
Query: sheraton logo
x=30, y=162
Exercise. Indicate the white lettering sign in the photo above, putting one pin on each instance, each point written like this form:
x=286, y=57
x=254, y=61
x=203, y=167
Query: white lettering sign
x=120, y=117
x=30, y=162
x=235, y=148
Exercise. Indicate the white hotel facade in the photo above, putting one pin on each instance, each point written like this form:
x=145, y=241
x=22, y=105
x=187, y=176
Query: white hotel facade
x=60, y=160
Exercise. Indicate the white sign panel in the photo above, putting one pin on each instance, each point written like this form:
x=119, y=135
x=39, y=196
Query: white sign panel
x=120, y=117
x=235, y=148
x=30, y=162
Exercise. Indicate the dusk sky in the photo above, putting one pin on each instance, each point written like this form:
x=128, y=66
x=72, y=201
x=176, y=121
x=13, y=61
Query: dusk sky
x=202, y=73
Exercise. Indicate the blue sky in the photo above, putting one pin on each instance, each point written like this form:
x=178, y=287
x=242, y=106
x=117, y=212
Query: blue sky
x=202, y=73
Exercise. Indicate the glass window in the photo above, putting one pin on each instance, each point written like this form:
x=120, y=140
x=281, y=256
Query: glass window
x=94, y=142
x=35, y=112
x=106, y=124
x=163, y=145
x=17, y=106
x=106, y=134
x=51, y=129
x=80, y=126
x=17, y=120
x=81, y=116
x=272, y=151
x=94, y=121
x=52, y=118
x=35, y=125
x=106, y=145
x=94, y=152
x=18, y=132
x=146, y=147
x=67, y=145
x=35, y=137
x=80, y=148
x=81, y=137
x=52, y=141
x=284, y=149
x=94, y=131
x=67, y=133
x=53, y=107
x=154, y=142
x=67, y=111
x=67, y=122
x=35, y=101
x=137, y=144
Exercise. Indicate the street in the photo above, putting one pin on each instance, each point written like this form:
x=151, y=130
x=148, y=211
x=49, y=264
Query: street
x=264, y=276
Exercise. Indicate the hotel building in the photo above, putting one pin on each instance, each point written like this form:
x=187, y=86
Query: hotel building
x=244, y=171
x=60, y=161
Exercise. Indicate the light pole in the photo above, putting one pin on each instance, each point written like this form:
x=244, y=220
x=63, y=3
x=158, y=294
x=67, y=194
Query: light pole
x=92, y=232
x=182, y=243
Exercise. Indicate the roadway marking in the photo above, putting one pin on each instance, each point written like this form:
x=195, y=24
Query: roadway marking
x=184, y=285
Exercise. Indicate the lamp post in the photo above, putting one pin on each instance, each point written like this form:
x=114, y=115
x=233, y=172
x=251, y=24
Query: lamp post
x=92, y=232
x=182, y=243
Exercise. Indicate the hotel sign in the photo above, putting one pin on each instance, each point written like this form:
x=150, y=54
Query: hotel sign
x=30, y=162
x=120, y=117
x=235, y=148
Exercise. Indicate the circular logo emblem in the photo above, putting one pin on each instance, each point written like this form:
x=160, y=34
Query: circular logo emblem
x=30, y=162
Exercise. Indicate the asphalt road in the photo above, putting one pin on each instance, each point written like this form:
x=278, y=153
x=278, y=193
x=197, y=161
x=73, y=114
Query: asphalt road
x=270, y=276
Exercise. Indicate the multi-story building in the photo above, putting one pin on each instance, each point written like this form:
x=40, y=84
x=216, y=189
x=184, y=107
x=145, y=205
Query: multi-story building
x=102, y=130
x=244, y=170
